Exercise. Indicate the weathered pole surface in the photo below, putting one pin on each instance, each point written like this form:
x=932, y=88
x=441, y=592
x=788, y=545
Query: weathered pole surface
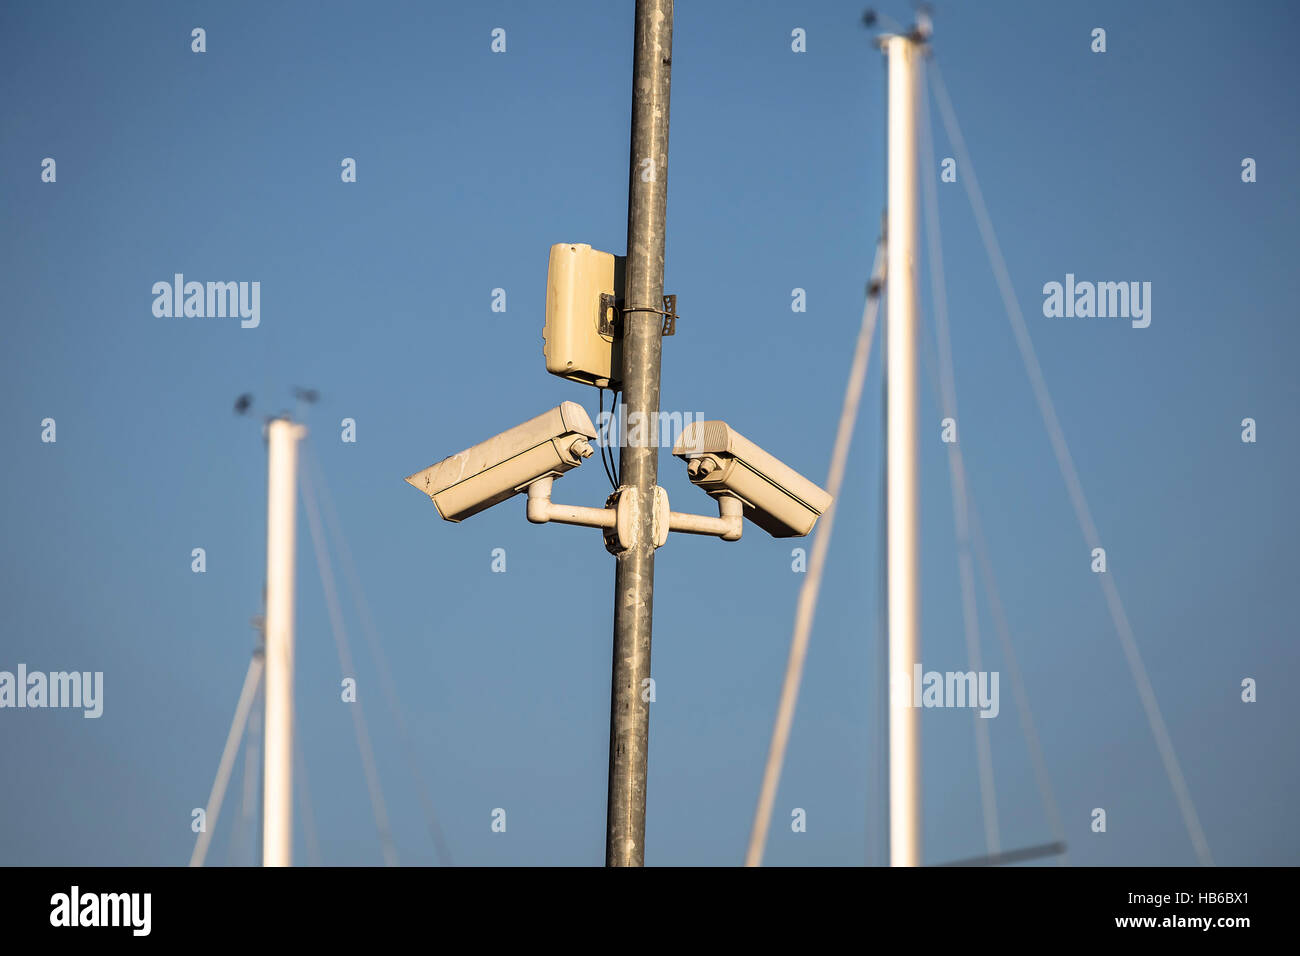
x=642, y=324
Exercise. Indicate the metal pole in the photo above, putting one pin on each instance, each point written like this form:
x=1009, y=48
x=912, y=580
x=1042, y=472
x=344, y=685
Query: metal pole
x=277, y=774
x=629, y=720
x=903, y=55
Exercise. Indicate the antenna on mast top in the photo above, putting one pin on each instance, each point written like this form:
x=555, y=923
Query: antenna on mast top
x=920, y=32
x=923, y=29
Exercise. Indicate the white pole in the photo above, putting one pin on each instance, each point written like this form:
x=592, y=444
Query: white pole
x=903, y=56
x=277, y=775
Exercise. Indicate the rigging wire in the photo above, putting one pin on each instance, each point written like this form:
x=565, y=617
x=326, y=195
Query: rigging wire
x=252, y=677
x=808, y=591
x=345, y=664
x=1069, y=474
x=252, y=768
x=992, y=598
x=877, y=775
x=957, y=476
x=1023, y=710
x=386, y=683
x=303, y=792
x=994, y=602
x=943, y=384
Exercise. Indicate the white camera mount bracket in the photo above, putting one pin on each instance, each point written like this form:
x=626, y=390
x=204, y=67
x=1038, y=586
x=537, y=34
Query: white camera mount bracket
x=621, y=516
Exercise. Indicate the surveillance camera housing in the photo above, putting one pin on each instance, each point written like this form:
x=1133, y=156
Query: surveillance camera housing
x=492, y=471
x=775, y=497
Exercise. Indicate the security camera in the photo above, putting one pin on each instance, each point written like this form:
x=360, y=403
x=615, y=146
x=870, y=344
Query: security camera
x=725, y=463
x=492, y=471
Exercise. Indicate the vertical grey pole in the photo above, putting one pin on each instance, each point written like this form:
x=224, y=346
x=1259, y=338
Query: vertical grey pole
x=629, y=720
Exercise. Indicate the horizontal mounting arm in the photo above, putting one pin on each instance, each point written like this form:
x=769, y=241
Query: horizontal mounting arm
x=727, y=526
x=541, y=509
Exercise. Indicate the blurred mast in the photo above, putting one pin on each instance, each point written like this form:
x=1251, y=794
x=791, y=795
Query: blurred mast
x=903, y=54
x=281, y=505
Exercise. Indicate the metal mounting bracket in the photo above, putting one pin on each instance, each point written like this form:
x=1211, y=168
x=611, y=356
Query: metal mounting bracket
x=611, y=311
x=625, y=503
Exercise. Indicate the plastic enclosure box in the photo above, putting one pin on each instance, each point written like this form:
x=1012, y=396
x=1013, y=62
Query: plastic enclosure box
x=572, y=342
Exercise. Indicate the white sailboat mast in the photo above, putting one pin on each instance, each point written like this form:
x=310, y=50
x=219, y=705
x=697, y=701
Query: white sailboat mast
x=903, y=56
x=281, y=507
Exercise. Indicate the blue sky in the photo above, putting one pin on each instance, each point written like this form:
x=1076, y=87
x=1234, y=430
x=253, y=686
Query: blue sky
x=225, y=165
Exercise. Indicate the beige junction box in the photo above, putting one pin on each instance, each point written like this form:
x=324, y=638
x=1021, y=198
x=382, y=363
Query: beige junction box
x=574, y=344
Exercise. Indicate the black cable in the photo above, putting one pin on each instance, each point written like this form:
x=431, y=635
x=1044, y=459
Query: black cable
x=603, y=428
x=614, y=460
